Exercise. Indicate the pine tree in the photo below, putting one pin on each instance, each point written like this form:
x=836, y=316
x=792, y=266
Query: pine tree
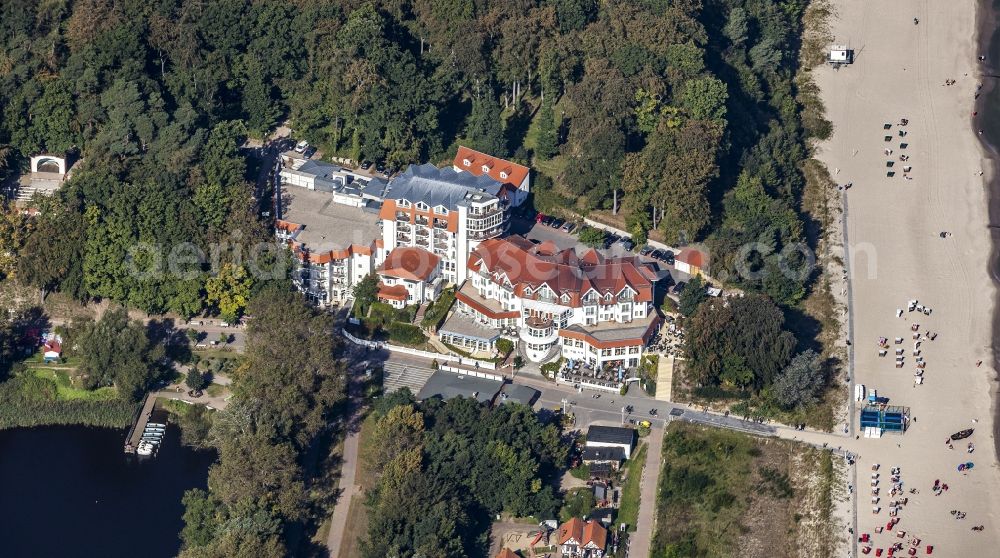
x=484, y=130
x=548, y=140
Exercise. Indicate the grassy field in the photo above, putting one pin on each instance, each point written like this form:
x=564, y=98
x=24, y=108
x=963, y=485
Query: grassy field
x=628, y=511
x=723, y=493
x=35, y=398
x=66, y=391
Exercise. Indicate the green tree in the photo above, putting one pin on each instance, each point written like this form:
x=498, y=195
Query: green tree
x=202, y=518
x=229, y=291
x=504, y=346
x=195, y=380
x=801, y=381
x=592, y=237
x=484, y=130
x=742, y=342
x=548, y=132
x=365, y=293
x=692, y=296
x=705, y=98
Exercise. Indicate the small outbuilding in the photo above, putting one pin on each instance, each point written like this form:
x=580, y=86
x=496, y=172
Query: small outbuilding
x=840, y=55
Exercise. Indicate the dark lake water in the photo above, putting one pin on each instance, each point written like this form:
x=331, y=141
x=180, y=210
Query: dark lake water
x=71, y=491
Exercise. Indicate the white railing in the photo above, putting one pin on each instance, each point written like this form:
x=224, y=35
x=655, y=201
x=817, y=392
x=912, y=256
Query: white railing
x=453, y=363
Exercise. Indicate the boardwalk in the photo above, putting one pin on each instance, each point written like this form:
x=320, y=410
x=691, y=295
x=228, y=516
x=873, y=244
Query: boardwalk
x=139, y=424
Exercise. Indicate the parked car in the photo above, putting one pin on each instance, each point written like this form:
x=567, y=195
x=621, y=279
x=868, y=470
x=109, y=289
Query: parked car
x=547, y=220
x=668, y=257
x=301, y=146
x=539, y=217
x=628, y=244
x=365, y=165
x=557, y=223
x=309, y=152
x=380, y=168
x=645, y=250
x=569, y=227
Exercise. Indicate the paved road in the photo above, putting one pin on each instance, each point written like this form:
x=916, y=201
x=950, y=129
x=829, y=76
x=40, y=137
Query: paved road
x=348, y=486
x=641, y=540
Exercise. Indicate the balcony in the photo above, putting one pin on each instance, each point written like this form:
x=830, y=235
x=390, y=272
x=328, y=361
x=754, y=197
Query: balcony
x=489, y=233
x=539, y=331
x=422, y=221
x=440, y=224
x=422, y=232
x=403, y=217
x=404, y=238
x=403, y=226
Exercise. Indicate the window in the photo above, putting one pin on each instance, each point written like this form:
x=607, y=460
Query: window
x=565, y=297
x=486, y=168
x=503, y=175
x=403, y=203
x=466, y=162
x=422, y=206
x=527, y=291
x=607, y=297
x=441, y=210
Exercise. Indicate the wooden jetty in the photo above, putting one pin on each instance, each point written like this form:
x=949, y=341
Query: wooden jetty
x=139, y=424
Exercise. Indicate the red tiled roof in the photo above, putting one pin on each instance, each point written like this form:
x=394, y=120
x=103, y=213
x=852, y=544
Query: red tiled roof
x=54, y=346
x=393, y=292
x=507, y=553
x=691, y=257
x=595, y=533
x=407, y=262
x=524, y=267
x=572, y=529
x=515, y=173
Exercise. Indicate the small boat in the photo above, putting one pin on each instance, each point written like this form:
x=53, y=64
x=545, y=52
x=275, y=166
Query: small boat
x=145, y=449
x=160, y=424
x=151, y=439
x=962, y=434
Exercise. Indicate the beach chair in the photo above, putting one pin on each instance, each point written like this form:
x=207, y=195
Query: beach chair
x=890, y=174
x=904, y=145
x=886, y=126
x=888, y=138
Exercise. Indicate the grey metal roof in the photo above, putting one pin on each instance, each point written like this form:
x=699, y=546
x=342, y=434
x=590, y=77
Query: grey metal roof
x=448, y=385
x=446, y=187
x=611, y=435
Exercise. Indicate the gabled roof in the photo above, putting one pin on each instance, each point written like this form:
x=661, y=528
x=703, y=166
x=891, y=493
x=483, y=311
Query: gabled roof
x=528, y=267
x=513, y=173
x=583, y=533
x=595, y=533
x=613, y=453
x=408, y=262
x=507, y=553
x=572, y=529
x=610, y=435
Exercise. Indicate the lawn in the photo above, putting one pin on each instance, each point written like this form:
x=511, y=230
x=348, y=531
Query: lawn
x=628, y=509
x=722, y=493
x=66, y=391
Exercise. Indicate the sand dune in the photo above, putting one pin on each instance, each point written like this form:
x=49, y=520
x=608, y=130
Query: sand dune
x=898, y=255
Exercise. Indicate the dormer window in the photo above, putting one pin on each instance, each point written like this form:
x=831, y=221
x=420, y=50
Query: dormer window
x=486, y=168
x=441, y=210
x=403, y=203
x=607, y=296
x=527, y=291
x=565, y=297
x=466, y=162
x=503, y=175
x=422, y=206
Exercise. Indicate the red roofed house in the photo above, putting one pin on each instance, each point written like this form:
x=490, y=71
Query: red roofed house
x=516, y=177
x=587, y=308
x=691, y=261
x=410, y=275
x=507, y=553
x=582, y=540
x=52, y=349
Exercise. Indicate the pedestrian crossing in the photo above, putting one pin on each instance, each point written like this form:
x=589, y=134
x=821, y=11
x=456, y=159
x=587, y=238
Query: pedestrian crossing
x=396, y=376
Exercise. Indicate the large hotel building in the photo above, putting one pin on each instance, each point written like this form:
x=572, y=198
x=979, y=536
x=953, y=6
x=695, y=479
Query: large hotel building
x=429, y=227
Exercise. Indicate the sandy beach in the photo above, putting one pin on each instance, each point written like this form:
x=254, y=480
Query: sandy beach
x=897, y=254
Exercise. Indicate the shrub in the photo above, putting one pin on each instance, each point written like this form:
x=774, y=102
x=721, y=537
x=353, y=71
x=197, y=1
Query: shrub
x=504, y=346
x=405, y=334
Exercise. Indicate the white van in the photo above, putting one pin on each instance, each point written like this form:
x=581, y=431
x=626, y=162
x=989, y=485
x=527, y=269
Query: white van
x=301, y=146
